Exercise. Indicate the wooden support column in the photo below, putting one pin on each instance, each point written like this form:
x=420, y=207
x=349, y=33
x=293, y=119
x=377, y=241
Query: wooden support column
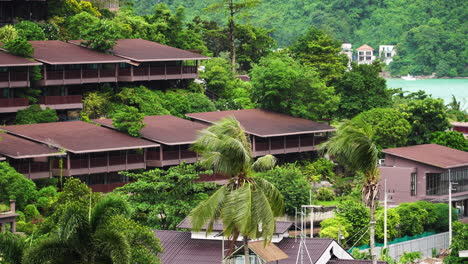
x=299, y=143
x=68, y=162
x=165, y=71
x=89, y=163
x=180, y=155
x=107, y=161
x=254, y=147
x=63, y=75
x=161, y=158
x=99, y=72
x=116, y=71
x=29, y=169
x=9, y=78
x=131, y=72
x=126, y=159
x=313, y=139
x=269, y=145
x=284, y=144
x=27, y=76
x=81, y=73
x=149, y=71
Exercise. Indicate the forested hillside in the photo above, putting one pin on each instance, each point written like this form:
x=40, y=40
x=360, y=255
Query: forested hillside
x=431, y=35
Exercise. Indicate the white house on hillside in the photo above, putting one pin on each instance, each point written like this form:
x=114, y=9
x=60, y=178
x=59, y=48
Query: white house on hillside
x=386, y=53
x=365, y=54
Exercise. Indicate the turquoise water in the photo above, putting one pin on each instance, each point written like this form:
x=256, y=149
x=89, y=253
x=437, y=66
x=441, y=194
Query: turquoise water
x=438, y=88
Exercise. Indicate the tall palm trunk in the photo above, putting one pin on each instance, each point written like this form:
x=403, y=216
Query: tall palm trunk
x=231, y=36
x=372, y=231
x=246, y=250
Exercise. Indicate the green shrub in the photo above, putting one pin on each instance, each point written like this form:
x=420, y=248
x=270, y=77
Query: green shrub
x=4, y=208
x=325, y=194
x=34, y=114
x=31, y=212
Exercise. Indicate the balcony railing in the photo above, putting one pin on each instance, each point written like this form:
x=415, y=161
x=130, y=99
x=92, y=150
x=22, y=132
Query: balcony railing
x=157, y=71
x=13, y=76
x=56, y=100
x=14, y=102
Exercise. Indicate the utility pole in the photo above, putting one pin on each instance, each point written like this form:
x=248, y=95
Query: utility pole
x=385, y=215
x=450, y=206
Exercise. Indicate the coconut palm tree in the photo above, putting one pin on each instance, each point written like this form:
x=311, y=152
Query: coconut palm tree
x=352, y=145
x=83, y=237
x=246, y=205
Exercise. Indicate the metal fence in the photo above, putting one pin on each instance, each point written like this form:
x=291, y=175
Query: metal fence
x=423, y=245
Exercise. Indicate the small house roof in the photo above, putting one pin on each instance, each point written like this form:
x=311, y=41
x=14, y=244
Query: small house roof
x=280, y=228
x=78, y=137
x=10, y=60
x=365, y=47
x=57, y=52
x=353, y=261
x=432, y=154
x=141, y=50
x=269, y=252
x=19, y=148
x=180, y=248
x=264, y=123
x=165, y=129
x=459, y=124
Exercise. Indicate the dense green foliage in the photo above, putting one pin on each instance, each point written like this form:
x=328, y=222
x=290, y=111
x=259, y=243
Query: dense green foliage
x=19, y=46
x=425, y=117
x=163, y=198
x=34, y=114
x=15, y=186
x=423, y=30
x=362, y=89
x=390, y=127
x=451, y=139
x=292, y=184
x=459, y=242
x=320, y=169
x=283, y=85
x=128, y=120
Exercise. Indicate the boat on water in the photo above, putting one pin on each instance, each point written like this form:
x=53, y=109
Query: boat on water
x=408, y=78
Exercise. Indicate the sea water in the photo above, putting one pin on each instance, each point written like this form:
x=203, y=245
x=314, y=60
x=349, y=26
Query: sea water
x=438, y=88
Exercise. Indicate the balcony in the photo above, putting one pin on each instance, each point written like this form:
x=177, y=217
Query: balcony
x=151, y=73
x=286, y=144
x=169, y=155
x=33, y=170
x=61, y=102
x=12, y=79
x=78, y=76
x=12, y=105
x=104, y=163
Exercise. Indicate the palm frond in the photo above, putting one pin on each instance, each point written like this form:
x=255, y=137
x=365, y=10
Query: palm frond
x=208, y=210
x=237, y=210
x=74, y=223
x=263, y=219
x=107, y=208
x=264, y=163
x=46, y=251
x=112, y=244
x=274, y=196
x=11, y=247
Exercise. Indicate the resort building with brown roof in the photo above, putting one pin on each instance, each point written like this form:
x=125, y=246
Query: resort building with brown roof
x=423, y=172
x=94, y=154
x=69, y=69
x=174, y=134
x=365, y=54
x=15, y=72
x=273, y=133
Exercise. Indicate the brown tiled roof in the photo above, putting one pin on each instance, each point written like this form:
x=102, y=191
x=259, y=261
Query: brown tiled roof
x=58, y=53
x=19, y=148
x=432, y=154
x=78, y=137
x=269, y=252
x=166, y=129
x=459, y=124
x=9, y=60
x=179, y=248
x=353, y=261
x=264, y=123
x=365, y=47
x=281, y=226
x=141, y=50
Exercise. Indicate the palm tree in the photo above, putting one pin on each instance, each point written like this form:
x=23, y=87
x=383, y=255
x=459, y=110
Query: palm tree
x=11, y=247
x=247, y=206
x=83, y=237
x=352, y=145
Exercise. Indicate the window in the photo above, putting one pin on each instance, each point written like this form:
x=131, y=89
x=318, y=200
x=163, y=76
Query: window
x=414, y=182
x=433, y=183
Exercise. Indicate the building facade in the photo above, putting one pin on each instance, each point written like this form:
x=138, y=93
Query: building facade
x=365, y=54
x=423, y=172
x=386, y=53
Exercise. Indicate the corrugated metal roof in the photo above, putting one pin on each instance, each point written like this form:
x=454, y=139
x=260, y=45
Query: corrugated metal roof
x=9, y=60
x=141, y=50
x=353, y=261
x=365, y=47
x=432, y=154
x=19, y=148
x=56, y=52
x=166, y=129
x=78, y=137
x=281, y=226
x=179, y=248
x=264, y=123
x=269, y=252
